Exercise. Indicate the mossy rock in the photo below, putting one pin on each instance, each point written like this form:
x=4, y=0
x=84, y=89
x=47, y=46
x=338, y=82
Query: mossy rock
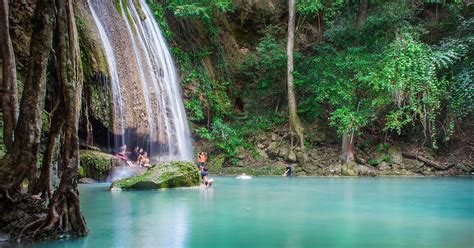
x=166, y=175
x=96, y=165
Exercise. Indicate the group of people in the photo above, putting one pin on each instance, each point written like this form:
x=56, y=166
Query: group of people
x=137, y=157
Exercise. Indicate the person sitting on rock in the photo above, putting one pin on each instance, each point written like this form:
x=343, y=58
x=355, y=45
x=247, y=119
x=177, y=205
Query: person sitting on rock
x=122, y=153
x=145, y=162
x=140, y=155
x=135, y=154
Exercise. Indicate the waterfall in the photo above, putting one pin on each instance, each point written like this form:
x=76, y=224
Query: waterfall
x=117, y=111
x=148, y=107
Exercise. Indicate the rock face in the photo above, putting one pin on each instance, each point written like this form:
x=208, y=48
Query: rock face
x=96, y=165
x=167, y=175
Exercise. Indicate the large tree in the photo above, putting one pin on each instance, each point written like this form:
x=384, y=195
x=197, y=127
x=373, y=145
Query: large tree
x=296, y=129
x=21, y=159
x=53, y=20
x=8, y=95
x=64, y=214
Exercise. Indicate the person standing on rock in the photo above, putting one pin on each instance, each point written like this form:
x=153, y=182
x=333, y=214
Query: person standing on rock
x=202, y=159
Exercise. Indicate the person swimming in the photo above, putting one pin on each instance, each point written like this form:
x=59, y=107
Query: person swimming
x=243, y=176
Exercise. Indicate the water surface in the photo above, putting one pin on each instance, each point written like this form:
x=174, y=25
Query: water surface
x=284, y=212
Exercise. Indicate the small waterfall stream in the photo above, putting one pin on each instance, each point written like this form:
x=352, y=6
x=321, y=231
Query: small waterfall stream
x=148, y=108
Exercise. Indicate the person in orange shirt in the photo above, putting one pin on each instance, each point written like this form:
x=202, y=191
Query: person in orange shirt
x=202, y=160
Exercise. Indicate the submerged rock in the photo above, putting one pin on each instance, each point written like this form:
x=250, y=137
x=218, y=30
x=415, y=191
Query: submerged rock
x=96, y=165
x=166, y=175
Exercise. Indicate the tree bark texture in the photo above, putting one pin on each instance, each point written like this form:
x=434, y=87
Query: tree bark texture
x=362, y=13
x=64, y=211
x=18, y=162
x=8, y=93
x=296, y=130
x=347, y=148
x=43, y=184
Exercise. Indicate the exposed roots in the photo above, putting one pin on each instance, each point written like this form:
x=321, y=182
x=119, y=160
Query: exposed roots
x=64, y=218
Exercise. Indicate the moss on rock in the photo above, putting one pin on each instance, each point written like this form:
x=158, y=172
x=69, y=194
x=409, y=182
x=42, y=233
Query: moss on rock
x=96, y=165
x=166, y=175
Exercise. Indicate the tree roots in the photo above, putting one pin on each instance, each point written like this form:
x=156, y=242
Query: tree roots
x=64, y=218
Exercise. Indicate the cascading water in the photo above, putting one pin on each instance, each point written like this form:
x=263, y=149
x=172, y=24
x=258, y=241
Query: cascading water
x=148, y=107
x=117, y=112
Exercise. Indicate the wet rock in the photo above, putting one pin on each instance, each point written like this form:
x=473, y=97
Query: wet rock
x=167, y=175
x=86, y=180
x=96, y=165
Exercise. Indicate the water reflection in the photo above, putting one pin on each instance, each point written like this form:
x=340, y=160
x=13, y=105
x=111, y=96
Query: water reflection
x=276, y=212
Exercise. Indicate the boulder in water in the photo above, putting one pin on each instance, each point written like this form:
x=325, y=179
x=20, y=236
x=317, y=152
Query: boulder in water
x=166, y=175
x=125, y=171
x=96, y=165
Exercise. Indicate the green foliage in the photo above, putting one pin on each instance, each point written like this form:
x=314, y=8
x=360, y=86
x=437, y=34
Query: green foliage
x=373, y=162
x=223, y=137
x=384, y=71
x=348, y=121
x=204, y=9
x=160, y=16
x=194, y=108
x=328, y=8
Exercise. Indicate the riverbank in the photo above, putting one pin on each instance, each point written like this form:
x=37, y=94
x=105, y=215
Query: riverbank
x=271, y=151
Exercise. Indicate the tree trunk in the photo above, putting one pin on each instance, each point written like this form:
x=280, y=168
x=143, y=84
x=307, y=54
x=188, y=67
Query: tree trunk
x=43, y=184
x=23, y=157
x=296, y=130
x=362, y=13
x=71, y=86
x=347, y=148
x=64, y=214
x=8, y=92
